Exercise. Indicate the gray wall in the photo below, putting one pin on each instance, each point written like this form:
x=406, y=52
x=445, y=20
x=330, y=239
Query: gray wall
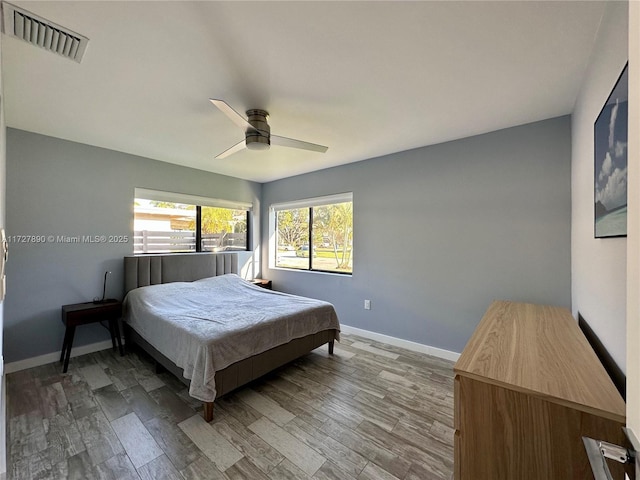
x=441, y=231
x=56, y=187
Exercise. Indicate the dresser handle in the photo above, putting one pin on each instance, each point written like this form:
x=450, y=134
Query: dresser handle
x=598, y=451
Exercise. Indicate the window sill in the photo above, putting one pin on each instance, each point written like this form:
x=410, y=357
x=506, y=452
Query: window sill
x=320, y=272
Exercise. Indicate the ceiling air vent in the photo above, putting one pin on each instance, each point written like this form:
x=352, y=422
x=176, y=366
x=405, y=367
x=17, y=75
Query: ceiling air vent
x=43, y=33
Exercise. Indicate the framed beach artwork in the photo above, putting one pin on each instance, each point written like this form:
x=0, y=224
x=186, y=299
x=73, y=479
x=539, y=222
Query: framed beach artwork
x=610, y=152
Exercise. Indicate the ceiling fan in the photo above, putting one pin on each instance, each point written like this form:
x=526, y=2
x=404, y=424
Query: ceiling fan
x=257, y=134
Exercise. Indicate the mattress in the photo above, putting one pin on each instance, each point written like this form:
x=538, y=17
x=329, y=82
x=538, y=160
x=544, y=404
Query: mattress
x=209, y=324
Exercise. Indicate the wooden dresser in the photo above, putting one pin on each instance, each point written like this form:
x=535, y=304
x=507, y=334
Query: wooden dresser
x=528, y=386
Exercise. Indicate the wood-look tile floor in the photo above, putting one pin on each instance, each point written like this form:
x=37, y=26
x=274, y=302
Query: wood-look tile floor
x=371, y=411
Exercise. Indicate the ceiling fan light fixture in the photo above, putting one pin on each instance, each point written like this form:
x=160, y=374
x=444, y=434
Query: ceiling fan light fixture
x=255, y=141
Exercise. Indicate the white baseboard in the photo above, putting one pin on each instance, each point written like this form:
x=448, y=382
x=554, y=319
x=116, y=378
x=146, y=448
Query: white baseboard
x=104, y=345
x=3, y=426
x=398, y=342
x=55, y=356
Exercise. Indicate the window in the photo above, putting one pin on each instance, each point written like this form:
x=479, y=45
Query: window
x=314, y=234
x=165, y=222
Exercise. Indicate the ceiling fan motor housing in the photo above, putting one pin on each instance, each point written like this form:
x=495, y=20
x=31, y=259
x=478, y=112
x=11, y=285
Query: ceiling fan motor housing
x=258, y=139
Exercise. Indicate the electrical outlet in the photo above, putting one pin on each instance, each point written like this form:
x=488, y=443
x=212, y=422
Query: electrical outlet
x=367, y=304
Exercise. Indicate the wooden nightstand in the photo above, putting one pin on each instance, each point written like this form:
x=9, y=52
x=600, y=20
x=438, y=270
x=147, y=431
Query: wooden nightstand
x=84, y=314
x=261, y=282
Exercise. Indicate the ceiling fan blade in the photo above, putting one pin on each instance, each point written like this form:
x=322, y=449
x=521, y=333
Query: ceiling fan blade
x=234, y=116
x=290, y=142
x=230, y=151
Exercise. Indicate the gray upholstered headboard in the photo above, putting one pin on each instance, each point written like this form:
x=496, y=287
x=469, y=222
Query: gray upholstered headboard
x=143, y=270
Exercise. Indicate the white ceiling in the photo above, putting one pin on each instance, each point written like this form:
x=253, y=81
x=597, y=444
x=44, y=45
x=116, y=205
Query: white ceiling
x=364, y=78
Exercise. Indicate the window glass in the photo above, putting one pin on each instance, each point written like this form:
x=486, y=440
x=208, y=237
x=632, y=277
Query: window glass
x=223, y=229
x=163, y=227
x=332, y=237
x=292, y=232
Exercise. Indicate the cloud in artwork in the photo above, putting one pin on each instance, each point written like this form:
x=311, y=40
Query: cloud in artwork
x=607, y=168
x=620, y=149
x=612, y=125
x=614, y=193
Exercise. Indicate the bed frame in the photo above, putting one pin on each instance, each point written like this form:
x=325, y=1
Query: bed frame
x=147, y=270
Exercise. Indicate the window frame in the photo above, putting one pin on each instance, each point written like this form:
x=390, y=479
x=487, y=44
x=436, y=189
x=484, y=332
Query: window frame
x=310, y=204
x=198, y=202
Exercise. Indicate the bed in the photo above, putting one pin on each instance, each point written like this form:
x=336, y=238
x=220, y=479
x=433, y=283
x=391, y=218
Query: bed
x=213, y=330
